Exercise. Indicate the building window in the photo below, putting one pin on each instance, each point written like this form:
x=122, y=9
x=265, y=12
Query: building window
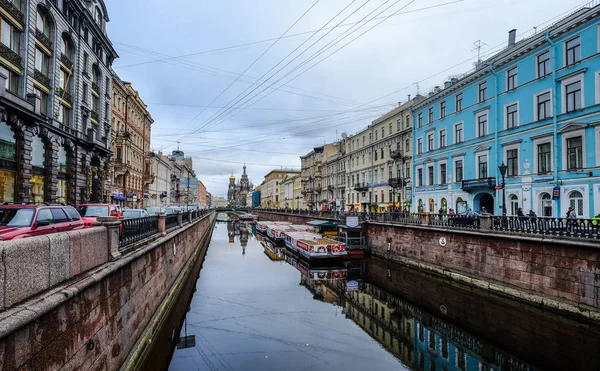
x=573, y=96
x=442, y=173
x=543, y=64
x=430, y=142
x=458, y=133
x=10, y=36
x=458, y=170
x=406, y=171
x=420, y=177
x=482, y=125
x=482, y=92
x=574, y=153
x=459, y=101
x=544, y=158
x=12, y=81
x=42, y=62
x=62, y=181
x=573, y=51
x=430, y=175
x=543, y=109
x=390, y=128
x=512, y=162
x=419, y=146
x=43, y=24
x=420, y=119
x=511, y=78
x=407, y=145
x=512, y=116
x=546, y=205
x=430, y=114
x=442, y=138
x=482, y=166
x=399, y=124
x=64, y=115
x=375, y=156
x=443, y=109
x=8, y=147
x=407, y=122
x=382, y=132
x=86, y=62
x=84, y=93
x=43, y=101
x=576, y=202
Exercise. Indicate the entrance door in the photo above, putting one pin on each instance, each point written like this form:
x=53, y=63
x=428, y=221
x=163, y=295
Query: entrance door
x=432, y=205
x=486, y=201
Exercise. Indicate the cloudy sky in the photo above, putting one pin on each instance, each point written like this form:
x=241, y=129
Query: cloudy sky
x=263, y=81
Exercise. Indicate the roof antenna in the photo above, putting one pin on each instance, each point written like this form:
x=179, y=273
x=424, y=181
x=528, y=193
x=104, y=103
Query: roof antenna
x=478, y=45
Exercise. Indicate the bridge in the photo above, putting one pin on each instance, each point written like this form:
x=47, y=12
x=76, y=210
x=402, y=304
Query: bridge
x=231, y=208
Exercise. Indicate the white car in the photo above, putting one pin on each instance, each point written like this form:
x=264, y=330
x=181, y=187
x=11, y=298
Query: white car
x=134, y=213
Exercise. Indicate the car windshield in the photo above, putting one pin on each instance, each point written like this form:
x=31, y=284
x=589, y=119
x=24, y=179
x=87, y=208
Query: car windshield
x=154, y=210
x=16, y=217
x=128, y=214
x=93, y=210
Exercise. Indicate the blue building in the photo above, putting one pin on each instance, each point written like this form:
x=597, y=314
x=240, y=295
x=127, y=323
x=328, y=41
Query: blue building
x=256, y=198
x=535, y=106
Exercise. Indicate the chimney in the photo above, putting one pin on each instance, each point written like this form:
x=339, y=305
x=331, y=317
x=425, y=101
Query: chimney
x=409, y=97
x=512, y=36
x=447, y=84
x=436, y=90
x=399, y=104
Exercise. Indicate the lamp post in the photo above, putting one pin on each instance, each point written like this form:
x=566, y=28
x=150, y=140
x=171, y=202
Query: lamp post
x=502, y=169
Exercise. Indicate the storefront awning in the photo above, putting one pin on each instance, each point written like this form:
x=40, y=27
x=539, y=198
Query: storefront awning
x=119, y=198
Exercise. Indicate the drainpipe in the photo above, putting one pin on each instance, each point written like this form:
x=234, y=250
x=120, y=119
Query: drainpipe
x=498, y=126
x=413, y=168
x=372, y=175
x=554, y=118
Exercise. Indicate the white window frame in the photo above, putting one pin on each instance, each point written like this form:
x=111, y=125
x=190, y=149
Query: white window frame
x=516, y=67
x=440, y=138
x=563, y=90
x=421, y=151
x=564, y=50
x=477, y=154
x=518, y=121
x=439, y=172
x=507, y=148
x=454, y=132
x=572, y=134
x=424, y=182
x=432, y=133
x=567, y=190
x=477, y=116
x=536, y=143
x=426, y=175
x=459, y=158
x=535, y=99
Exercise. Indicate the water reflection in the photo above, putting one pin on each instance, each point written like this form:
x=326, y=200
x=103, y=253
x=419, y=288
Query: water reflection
x=265, y=313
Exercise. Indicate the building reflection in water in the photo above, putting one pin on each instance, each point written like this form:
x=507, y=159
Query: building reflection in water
x=240, y=230
x=423, y=341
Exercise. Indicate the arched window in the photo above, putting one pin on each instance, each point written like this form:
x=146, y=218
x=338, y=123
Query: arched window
x=8, y=165
x=63, y=170
x=43, y=23
x=576, y=202
x=38, y=163
x=98, y=16
x=67, y=48
x=513, y=202
x=546, y=204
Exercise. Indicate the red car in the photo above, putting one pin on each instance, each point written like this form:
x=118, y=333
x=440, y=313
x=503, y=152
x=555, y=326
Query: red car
x=28, y=220
x=89, y=212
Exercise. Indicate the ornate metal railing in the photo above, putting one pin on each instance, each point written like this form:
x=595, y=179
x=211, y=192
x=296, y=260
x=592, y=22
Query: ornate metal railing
x=578, y=228
x=134, y=230
x=8, y=54
x=94, y=116
x=95, y=87
x=455, y=221
x=39, y=76
x=65, y=95
x=43, y=39
x=12, y=10
x=66, y=61
x=172, y=220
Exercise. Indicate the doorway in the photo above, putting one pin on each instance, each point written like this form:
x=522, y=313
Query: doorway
x=484, y=200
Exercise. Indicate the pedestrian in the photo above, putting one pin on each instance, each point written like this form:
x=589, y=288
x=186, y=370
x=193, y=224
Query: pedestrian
x=484, y=210
x=452, y=212
x=571, y=216
x=532, y=214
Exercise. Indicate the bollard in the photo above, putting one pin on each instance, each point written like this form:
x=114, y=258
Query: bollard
x=189, y=216
x=162, y=223
x=425, y=218
x=112, y=225
x=180, y=219
x=485, y=222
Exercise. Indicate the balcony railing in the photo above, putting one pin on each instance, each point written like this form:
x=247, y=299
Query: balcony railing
x=8, y=54
x=397, y=154
x=472, y=184
x=361, y=187
x=66, y=61
x=40, y=77
x=95, y=88
x=330, y=188
x=397, y=182
x=64, y=95
x=123, y=134
x=94, y=116
x=12, y=10
x=42, y=38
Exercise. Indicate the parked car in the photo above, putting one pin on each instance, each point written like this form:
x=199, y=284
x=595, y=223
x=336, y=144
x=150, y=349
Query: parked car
x=173, y=210
x=89, y=212
x=20, y=221
x=155, y=210
x=134, y=213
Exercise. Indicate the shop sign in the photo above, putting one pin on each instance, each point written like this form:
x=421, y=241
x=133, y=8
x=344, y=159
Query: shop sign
x=556, y=193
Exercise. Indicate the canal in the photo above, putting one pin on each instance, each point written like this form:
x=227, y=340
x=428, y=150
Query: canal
x=251, y=311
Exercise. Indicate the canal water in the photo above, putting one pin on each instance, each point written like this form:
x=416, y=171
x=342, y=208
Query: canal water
x=253, y=311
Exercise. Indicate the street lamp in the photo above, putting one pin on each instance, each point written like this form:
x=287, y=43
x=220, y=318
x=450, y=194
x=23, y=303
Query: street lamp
x=502, y=169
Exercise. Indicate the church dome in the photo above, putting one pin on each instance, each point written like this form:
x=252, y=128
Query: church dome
x=232, y=177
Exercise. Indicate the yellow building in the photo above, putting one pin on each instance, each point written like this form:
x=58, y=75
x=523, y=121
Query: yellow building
x=271, y=188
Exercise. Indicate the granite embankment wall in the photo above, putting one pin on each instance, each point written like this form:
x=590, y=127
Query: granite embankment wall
x=556, y=272
x=72, y=301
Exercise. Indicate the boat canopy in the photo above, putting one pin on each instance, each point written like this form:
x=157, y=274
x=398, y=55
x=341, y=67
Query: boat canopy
x=322, y=223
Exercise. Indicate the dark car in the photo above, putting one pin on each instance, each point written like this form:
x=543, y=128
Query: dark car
x=20, y=221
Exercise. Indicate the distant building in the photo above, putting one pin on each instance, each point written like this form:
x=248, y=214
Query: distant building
x=256, y=199
x=202, y=203
x=160, y=168
x=218, y=202
x=270, y=189
x=236, y=193
x=208, y=199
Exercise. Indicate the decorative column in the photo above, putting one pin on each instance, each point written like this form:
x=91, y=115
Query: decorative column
x=51, y=167
x=24, y=138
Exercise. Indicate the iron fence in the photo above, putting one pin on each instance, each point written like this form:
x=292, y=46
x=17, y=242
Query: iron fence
x=578, y=228
x=136, y=229
x=455, y=221
x=172, y=220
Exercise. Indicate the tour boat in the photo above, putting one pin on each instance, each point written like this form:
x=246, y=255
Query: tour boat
x=272, y=251
x=302, y=227
x=263, y=225
x=277, y=232
x=313, y=246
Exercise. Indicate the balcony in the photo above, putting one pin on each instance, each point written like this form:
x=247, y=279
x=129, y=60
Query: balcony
x=41, y=78
x=304, y=191
x=474, y=184
x=94, y=116
x=397, y=182
x=64, y=59
x=95, y=88
x=43, y=39
x=318, y=188
x=8, y=54
x=397, y=154
x=148, y=178
x=361, y=187
x=123, y=134
x=330, y=188
x=12, y=10
x=64, y=95
x=120, y=166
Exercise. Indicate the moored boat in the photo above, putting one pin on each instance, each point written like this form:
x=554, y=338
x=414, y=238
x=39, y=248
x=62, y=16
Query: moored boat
x=313, y=246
